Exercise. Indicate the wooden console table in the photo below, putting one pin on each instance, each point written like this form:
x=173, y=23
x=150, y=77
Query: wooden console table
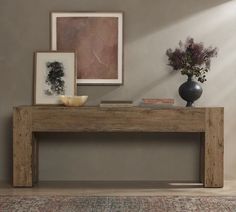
x=29, y=120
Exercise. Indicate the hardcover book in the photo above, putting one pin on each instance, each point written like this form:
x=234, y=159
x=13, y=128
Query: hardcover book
x=116, y=103
x=158, y=101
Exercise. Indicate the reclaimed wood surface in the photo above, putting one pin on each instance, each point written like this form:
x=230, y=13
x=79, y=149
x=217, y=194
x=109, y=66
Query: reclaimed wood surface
x=22, y=147
x=29, y=120
x=135, y=119
x=35, y=159
x=214, y=148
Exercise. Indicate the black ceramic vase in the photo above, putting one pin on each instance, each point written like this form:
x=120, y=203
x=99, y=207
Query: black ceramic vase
x=190, y=91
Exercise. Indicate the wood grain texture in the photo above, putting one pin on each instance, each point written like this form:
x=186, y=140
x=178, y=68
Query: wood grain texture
x=202, y=157
x=22, y=147
x=29, y=120
x=35, y=159
x=135, y=119
x=214, y=148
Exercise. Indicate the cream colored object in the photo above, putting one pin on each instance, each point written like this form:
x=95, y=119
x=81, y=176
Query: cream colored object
x=73, y=101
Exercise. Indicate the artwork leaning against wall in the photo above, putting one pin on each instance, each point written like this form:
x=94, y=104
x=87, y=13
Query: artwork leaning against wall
x=54, y=76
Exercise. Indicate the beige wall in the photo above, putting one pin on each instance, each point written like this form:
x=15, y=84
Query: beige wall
x=150, y=27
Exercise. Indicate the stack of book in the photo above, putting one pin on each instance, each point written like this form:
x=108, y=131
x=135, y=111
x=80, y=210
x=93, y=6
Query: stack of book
x=157, y=103
x=116, y=103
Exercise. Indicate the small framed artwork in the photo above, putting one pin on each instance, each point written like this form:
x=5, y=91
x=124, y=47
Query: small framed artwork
x=55, y=75
x=98, y=40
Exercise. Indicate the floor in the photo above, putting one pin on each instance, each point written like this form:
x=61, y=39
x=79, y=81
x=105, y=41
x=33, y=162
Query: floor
x=120, y=188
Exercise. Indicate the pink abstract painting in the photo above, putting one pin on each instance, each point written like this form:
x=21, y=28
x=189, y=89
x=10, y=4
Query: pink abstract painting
x=95, y=40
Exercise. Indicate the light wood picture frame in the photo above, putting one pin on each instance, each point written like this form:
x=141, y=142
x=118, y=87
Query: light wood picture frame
x=98, y=40
x=54, y=75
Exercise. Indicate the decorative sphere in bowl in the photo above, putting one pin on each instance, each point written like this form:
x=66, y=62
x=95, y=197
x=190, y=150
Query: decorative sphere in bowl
x=73, y=101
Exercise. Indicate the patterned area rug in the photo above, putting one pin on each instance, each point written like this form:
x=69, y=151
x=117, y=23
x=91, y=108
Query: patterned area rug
x=38, y=203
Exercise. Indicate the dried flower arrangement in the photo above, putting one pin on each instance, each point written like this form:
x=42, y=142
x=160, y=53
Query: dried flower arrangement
x=193, y=59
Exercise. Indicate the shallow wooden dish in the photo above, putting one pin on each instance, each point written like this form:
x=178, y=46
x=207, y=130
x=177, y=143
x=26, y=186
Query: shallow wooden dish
x=73, y=101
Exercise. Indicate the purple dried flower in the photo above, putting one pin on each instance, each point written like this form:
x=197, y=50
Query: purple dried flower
x=191, y=58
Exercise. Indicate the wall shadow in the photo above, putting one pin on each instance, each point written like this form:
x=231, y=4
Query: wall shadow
x=119, y=156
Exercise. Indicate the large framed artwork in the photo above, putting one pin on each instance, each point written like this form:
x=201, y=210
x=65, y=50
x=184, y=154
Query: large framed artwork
x=98, y=40
x=54, y=75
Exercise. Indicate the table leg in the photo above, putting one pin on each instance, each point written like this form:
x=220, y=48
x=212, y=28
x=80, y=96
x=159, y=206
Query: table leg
x=202, y=156
x=22, y=148
x=35, y=159
x=214, y=148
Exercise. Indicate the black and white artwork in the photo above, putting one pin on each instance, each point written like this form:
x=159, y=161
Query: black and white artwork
x=55, y=75
x=55, y=78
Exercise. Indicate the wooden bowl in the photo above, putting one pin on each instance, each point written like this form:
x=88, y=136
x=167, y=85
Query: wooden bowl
x=73, y=101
